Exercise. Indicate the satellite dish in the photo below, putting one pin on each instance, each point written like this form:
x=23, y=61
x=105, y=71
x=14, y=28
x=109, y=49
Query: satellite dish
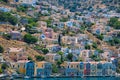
x=42, y=36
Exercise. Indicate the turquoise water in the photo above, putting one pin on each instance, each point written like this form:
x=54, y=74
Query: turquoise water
x=74, y=78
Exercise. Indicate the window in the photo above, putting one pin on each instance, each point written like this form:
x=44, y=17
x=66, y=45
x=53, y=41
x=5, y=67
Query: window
x=18, y=66
x=77, y=73
x=13, y=66
x=68, y=66
x=77, y=66
x=71, y=66
x=24, y=66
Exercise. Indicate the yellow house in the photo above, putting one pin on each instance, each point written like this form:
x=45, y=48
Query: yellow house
x=21, y=66
x=40, y=64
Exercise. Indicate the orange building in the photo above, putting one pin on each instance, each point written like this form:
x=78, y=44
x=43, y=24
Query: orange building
x=21, y=66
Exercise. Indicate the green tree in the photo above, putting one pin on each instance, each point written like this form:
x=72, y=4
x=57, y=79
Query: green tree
x=22, y=8
x=39, y=58
x=13, y=20
x=28, y=38
x=116, y=41
x=87, y=46
x=28, y=28
x=32, y=20
x=70, y=56
x=116, y=25
x=100, y=51
x=112, y=21
x=94, y=45
x=1, y=70
x=61, y=54
x=7, y=36
x=6, y=1
x=29, y=58
x=49, y=21
x=100, y=37
x=45, y=50
x=95, y=58
x=59, y=63
x=4, y=66
x=54, y=68
x=111, y=42
x=8, y=17
x=1, y=49
x=64, y=19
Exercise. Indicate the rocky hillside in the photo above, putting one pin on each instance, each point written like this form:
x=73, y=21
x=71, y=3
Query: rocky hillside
x=17, y=44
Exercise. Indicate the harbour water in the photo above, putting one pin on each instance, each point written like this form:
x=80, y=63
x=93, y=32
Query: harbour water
x=75, y=78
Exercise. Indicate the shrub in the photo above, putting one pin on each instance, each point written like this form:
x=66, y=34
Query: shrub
x=1, y=49
x=7, y=36
x=30, y=39
x=39, y=58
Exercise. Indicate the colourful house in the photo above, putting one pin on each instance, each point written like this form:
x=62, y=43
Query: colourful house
x=93, y=69
x=50, y=57
x=113, y=70
x=72, y=69
x=99, y=69
x=30, y=67
x=71, y=72
x=81, y=69
x=115, y=62
x=43, y=69
x=88, y=66
x=15, y=35
x=90, y=69
x=21, y=66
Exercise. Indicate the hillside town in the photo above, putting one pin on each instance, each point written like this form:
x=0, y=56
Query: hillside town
x=47, y=38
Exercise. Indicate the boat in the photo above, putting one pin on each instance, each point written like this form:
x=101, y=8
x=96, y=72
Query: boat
x=43, y=76
x=117, y=75
x=26, y=77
